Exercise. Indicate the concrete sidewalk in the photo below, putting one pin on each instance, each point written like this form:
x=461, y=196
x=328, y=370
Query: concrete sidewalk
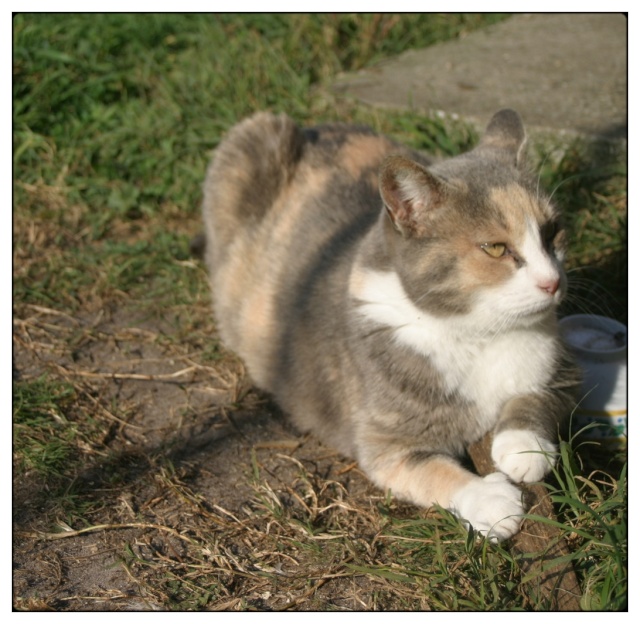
x=564, y=73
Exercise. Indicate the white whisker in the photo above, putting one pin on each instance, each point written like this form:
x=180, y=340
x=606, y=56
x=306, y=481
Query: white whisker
x=557, y=186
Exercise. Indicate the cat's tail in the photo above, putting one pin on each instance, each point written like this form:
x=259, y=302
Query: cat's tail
x=249, y=169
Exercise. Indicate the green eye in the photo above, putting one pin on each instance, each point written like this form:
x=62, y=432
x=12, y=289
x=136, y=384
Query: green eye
x=495, y=250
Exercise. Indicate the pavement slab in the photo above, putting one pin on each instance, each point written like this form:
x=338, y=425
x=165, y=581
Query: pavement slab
x=563, y=72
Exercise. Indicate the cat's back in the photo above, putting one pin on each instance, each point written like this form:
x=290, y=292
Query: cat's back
x=267, y=162
x=280, y=202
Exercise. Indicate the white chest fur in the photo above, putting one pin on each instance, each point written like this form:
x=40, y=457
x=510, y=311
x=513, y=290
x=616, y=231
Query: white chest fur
x=481, y=364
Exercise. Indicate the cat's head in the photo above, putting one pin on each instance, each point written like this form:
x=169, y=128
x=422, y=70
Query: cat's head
x=474, y=235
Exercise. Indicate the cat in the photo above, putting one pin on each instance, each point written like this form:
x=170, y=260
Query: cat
x=397, y=307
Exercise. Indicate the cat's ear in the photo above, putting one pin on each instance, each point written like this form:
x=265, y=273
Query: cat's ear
x=505, y=133
x=409, y=192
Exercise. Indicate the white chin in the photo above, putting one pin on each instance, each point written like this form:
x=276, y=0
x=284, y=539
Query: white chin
x=536, y=312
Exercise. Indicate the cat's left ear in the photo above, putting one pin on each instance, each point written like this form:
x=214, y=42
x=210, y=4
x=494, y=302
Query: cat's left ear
x=506, y=133
x=409, y=192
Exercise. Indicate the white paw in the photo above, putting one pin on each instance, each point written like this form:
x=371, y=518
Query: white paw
x=522, y=455
x=491, y=505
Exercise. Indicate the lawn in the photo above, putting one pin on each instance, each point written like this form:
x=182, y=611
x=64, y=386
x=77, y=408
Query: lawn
x=147, y=472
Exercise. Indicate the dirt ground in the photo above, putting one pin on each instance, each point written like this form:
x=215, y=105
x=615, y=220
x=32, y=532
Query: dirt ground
x=180, y=501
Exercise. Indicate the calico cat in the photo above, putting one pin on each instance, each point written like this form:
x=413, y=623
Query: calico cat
x=398, y=308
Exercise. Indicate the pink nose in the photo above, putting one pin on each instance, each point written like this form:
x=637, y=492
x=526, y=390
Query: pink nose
x=550, y=285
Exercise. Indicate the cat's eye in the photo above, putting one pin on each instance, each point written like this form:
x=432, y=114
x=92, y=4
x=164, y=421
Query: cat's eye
x=495, y=250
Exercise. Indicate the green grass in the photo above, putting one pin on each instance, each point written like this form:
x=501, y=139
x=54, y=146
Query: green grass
x=114, y=119
x=53, y=441
x=43, y=437
x=590, y=185
x=592, y=509
x=115, y=116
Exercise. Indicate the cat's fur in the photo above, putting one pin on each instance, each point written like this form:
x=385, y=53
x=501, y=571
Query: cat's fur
x=355, y=279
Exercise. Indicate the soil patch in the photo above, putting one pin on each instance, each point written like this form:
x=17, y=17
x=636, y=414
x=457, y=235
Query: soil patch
x=188, y=472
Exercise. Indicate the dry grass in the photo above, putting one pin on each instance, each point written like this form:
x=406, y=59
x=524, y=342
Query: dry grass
x=134, y=479
x=196, y=490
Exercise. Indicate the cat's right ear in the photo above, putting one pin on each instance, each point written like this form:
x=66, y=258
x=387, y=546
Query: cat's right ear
x=506, y=133
x=409, y=193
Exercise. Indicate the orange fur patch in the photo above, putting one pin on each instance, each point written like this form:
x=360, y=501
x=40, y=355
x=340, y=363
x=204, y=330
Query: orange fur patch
x=361, y=152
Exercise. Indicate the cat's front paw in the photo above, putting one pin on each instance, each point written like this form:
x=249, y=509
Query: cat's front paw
x=491, y=505
x=522, y=455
